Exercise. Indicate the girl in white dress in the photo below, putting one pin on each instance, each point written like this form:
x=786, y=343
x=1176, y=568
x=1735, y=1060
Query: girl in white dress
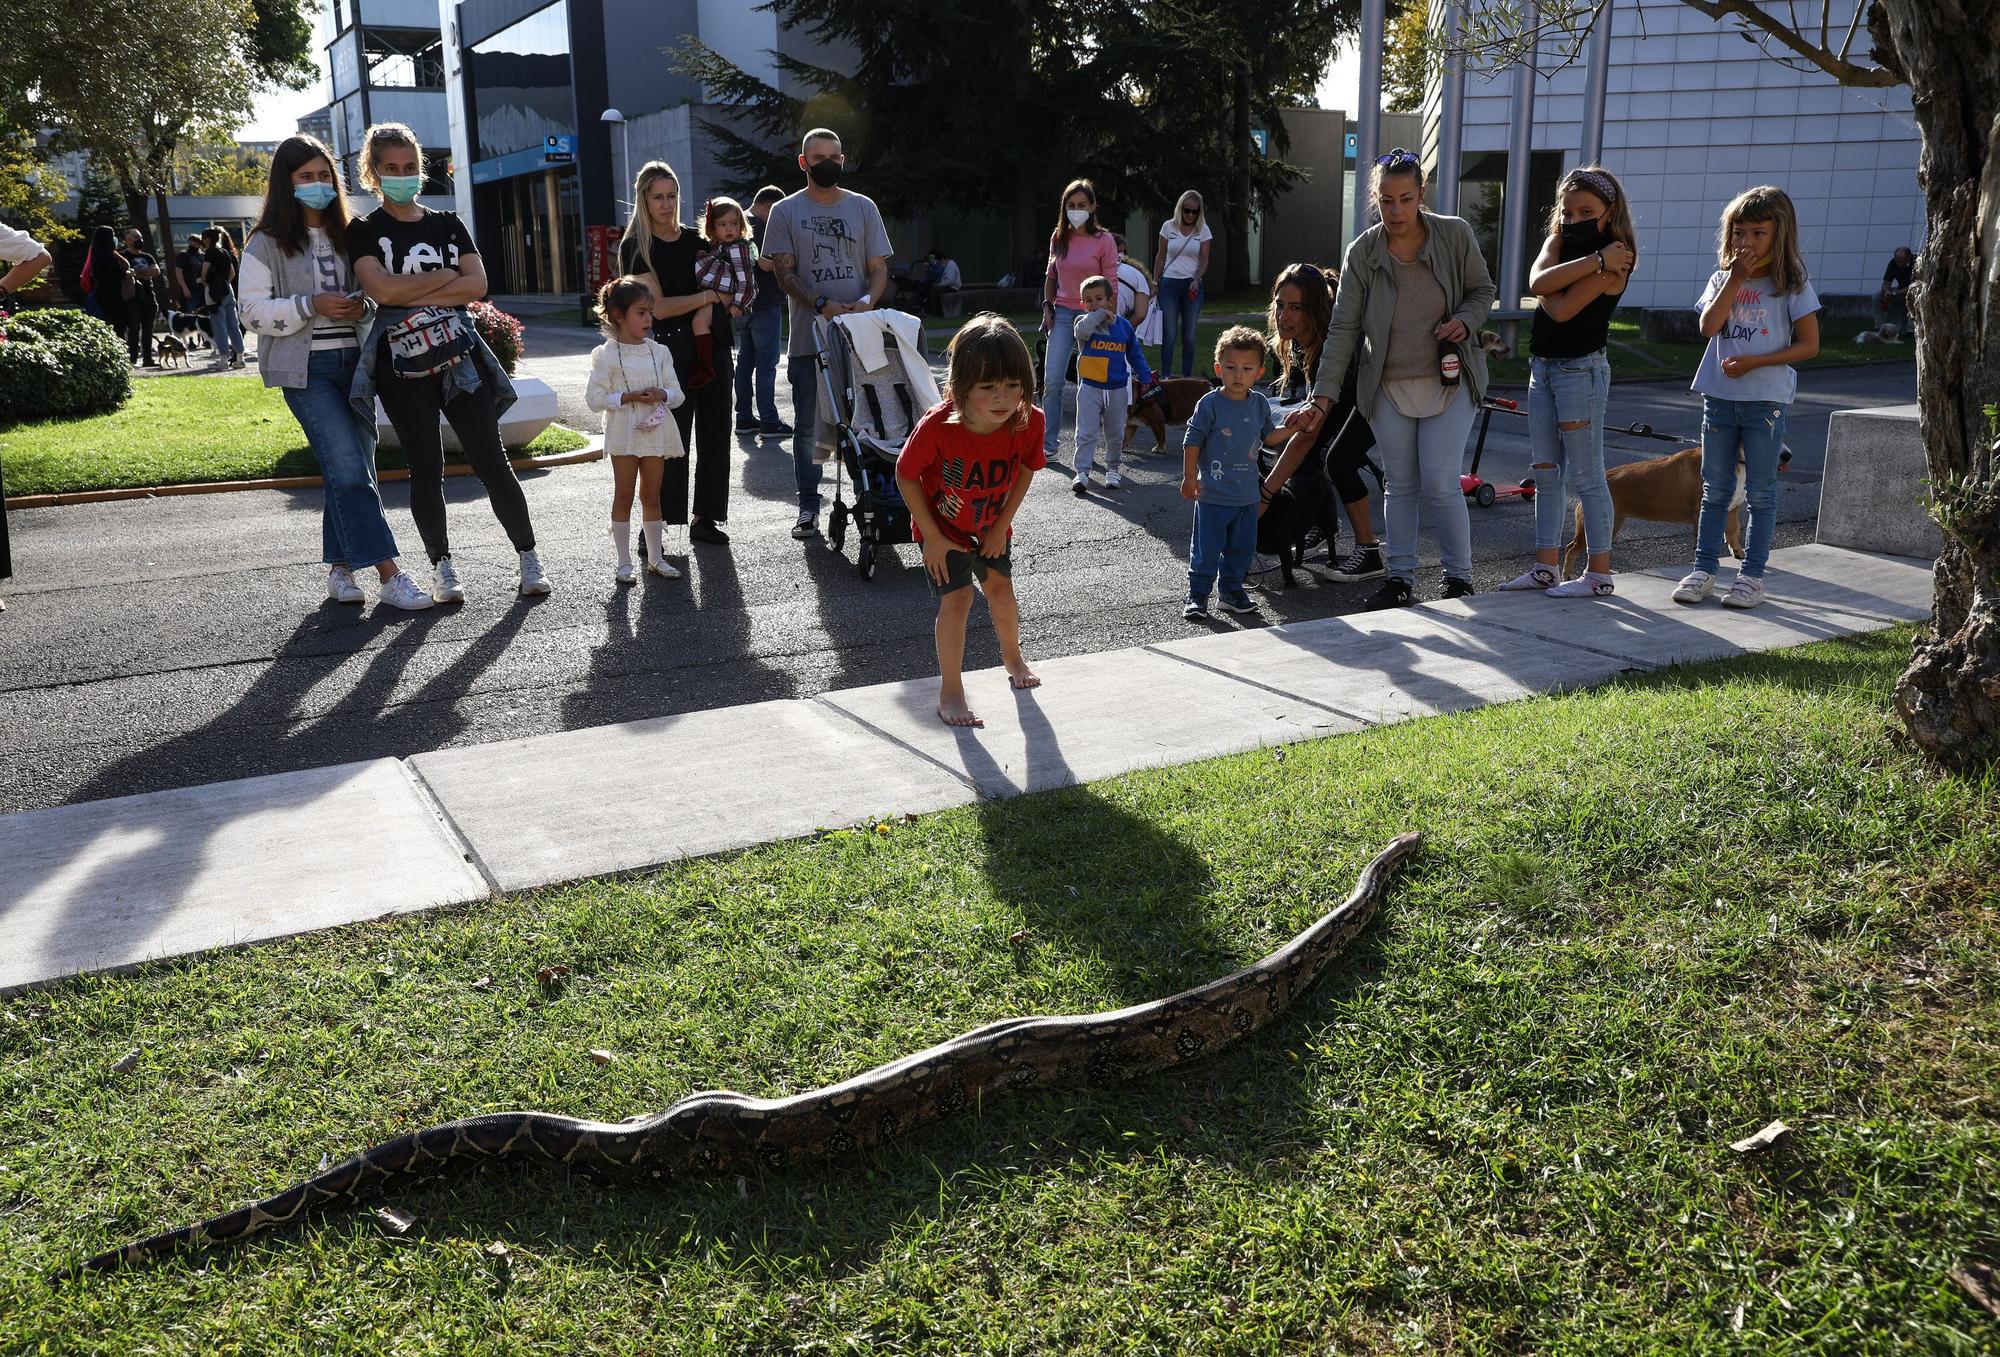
x=632, y=381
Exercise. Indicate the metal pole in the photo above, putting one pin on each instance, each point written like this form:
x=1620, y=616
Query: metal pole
x=1368, y=118
x=1520, y=143
x=1451, y=117
x=1596, y=75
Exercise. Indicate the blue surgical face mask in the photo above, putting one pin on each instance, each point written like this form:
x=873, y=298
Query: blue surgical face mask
x=401, y=188
x=315, y=196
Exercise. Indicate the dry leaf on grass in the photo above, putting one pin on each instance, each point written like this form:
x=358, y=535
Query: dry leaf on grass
x=552, y=975
x=128, y=1063
x=1777, y=1133
x=496, y=1250
x=1979, y=1281
x=394, y=1219
x=602, y=1056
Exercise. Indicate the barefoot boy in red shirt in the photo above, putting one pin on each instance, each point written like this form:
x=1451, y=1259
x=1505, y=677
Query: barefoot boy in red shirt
x=963, y=473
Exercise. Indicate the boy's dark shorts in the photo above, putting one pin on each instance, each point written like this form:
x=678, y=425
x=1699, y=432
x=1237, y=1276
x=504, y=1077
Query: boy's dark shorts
x=962, y=567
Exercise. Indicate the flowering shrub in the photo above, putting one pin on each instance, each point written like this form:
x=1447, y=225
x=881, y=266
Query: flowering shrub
x=501, y=332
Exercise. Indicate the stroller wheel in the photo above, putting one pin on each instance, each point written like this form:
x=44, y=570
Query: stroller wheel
x=866, y=560
x=836, y=525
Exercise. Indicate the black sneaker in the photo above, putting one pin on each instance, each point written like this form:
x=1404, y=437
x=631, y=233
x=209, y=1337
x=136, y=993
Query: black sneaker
x=1362, y=563
x=1239, y=603
x=1394, y=593
x=1455, y=587
x=776, y=428
x=807, y=526
x=749, y=426
x=701, y=530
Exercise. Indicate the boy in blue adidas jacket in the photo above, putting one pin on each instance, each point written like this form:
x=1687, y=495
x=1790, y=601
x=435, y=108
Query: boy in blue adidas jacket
x=1105, y=344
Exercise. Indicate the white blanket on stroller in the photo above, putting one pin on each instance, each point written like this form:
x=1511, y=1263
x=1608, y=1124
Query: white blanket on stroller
x=867, y=333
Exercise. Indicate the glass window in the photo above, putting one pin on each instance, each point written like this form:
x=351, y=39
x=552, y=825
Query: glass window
x=521, y=84
x=400, y=58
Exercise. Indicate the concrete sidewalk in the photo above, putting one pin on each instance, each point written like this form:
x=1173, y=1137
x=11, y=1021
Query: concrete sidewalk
x=110, y=884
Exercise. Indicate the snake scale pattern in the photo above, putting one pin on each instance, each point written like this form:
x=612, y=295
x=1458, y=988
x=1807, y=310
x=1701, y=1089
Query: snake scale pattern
x=717, y=1133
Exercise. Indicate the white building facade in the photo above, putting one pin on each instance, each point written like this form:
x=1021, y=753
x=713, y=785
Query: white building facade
x=1694, y=114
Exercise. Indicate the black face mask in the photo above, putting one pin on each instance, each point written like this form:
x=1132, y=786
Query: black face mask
x=1586, y=235
x=824, y=173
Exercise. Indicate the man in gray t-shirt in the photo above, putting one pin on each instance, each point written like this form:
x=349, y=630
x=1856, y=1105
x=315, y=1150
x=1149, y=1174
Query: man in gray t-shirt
x=830, y=254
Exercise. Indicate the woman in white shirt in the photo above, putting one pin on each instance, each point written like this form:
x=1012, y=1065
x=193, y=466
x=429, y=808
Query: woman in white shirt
x=25, y=257
x=1180, y=265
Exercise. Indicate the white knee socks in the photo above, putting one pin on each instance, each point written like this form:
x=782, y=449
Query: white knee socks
x=621, y=537
x=651, y=532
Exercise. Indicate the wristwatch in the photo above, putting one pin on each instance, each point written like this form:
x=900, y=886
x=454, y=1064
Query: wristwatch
x=819, y=303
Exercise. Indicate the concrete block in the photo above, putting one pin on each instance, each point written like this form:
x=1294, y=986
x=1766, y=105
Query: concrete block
x=525, y=418
x=106, y=884
x=1874, y=494
x=1642, y=625
x=615, y=798
x=1085, y=721
x=1391, y=666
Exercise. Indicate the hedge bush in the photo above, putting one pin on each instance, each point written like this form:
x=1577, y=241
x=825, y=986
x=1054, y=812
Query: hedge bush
x=60, y=362
x=501, y=332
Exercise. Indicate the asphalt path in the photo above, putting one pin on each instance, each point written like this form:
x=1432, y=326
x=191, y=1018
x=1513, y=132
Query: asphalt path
x=183, y=640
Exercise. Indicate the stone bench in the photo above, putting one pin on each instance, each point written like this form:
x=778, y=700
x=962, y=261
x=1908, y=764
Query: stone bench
x=1875, y=493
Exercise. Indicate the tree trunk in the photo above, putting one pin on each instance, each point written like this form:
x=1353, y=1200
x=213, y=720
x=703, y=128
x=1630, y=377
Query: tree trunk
x=174, y=288
x=1949, y=698
x=1236, y=215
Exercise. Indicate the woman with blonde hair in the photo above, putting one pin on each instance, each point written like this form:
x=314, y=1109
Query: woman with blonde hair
x=424, y=357
x=664, y=252
x=1181, y=264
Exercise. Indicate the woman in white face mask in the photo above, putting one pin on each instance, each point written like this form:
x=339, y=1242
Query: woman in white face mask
x=1079, y=249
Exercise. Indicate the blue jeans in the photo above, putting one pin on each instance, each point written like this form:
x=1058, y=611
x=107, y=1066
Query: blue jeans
x=759, y=342
x=353, y=531
x=1055, y=376
x=802, y=371
x=1421, y=460
x=227, y=327
x=1757, y=429
x=1562, y=391
x=1179, y=314
x=1225, y=540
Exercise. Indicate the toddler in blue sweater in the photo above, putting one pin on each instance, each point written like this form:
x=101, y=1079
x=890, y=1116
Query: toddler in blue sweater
x=1105, y=344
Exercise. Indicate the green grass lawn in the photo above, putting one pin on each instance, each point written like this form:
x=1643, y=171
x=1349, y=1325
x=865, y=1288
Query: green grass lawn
x=1648, y=920
x=178, y=431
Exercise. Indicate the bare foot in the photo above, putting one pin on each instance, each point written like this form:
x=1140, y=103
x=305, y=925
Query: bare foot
x=954, y=711
x=1020, y=677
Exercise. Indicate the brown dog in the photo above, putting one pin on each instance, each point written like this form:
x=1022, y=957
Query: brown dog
x=1664, y=490
x=173, y=352
x=1171, y=404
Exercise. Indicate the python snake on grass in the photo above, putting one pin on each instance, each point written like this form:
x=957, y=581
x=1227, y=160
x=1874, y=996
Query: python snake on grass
x=718, y=1132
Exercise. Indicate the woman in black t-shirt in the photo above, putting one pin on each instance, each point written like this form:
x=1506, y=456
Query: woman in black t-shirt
x=407, y=257
x=1301, y=310
x=661, y=250
x=218, y=275
x=108, y=271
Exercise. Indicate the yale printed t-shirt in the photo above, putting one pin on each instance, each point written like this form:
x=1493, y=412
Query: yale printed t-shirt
x=967, y=476
x=831, y=244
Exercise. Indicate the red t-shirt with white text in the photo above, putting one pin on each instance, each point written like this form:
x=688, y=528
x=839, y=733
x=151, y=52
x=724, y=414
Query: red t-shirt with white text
x=967, y=476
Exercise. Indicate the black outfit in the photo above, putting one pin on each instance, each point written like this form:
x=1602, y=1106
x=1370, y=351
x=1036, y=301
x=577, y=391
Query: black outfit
x=708, y=410
x=1896, y=278
x=141, y=311
x=1588, y=330
x=107, y=280
x=188, y=264
x=1340, y=453
x=221, y=275
x=438, y=240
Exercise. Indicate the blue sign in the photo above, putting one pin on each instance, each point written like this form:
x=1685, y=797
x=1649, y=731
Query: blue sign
x=556, y=150
x=1261, y=140
x=1353, y=146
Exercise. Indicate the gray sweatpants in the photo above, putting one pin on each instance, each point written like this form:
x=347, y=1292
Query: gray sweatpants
x=1095, y=408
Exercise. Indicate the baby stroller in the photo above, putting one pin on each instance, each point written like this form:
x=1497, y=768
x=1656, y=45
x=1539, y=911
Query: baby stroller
x=875, y=383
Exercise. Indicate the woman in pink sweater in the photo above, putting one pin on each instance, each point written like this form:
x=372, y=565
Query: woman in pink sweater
x=1079, y=249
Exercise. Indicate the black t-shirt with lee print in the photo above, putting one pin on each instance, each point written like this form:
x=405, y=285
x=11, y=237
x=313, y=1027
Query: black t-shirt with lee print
x=436, y=240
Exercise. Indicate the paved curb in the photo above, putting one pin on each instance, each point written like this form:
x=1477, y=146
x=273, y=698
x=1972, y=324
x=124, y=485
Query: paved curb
x=589, y=452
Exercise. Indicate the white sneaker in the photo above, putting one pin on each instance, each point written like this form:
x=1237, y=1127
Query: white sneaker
x=1080, y=485
x=533, y=581
x=445, y=587
x=340, y=585
x=1589, y=584
x=666, y=570
x=1694, y=587
x=1538, y=576
x=400, y=591
x=1745, y=592
x=1112, y=480
x=628, y=573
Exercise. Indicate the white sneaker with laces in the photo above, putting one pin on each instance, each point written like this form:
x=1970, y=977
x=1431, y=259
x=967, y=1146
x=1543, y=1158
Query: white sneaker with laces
x=1589, y=584
x=1745, y=592
x=340, y=585
x=400, y=591
x=1081, y=484
x=1695, y=586
x=1112, y=480
x=534, y=581
x=445, y=587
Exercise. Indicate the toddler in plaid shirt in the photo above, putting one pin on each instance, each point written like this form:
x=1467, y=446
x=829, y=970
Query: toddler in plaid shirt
x=728, y=268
